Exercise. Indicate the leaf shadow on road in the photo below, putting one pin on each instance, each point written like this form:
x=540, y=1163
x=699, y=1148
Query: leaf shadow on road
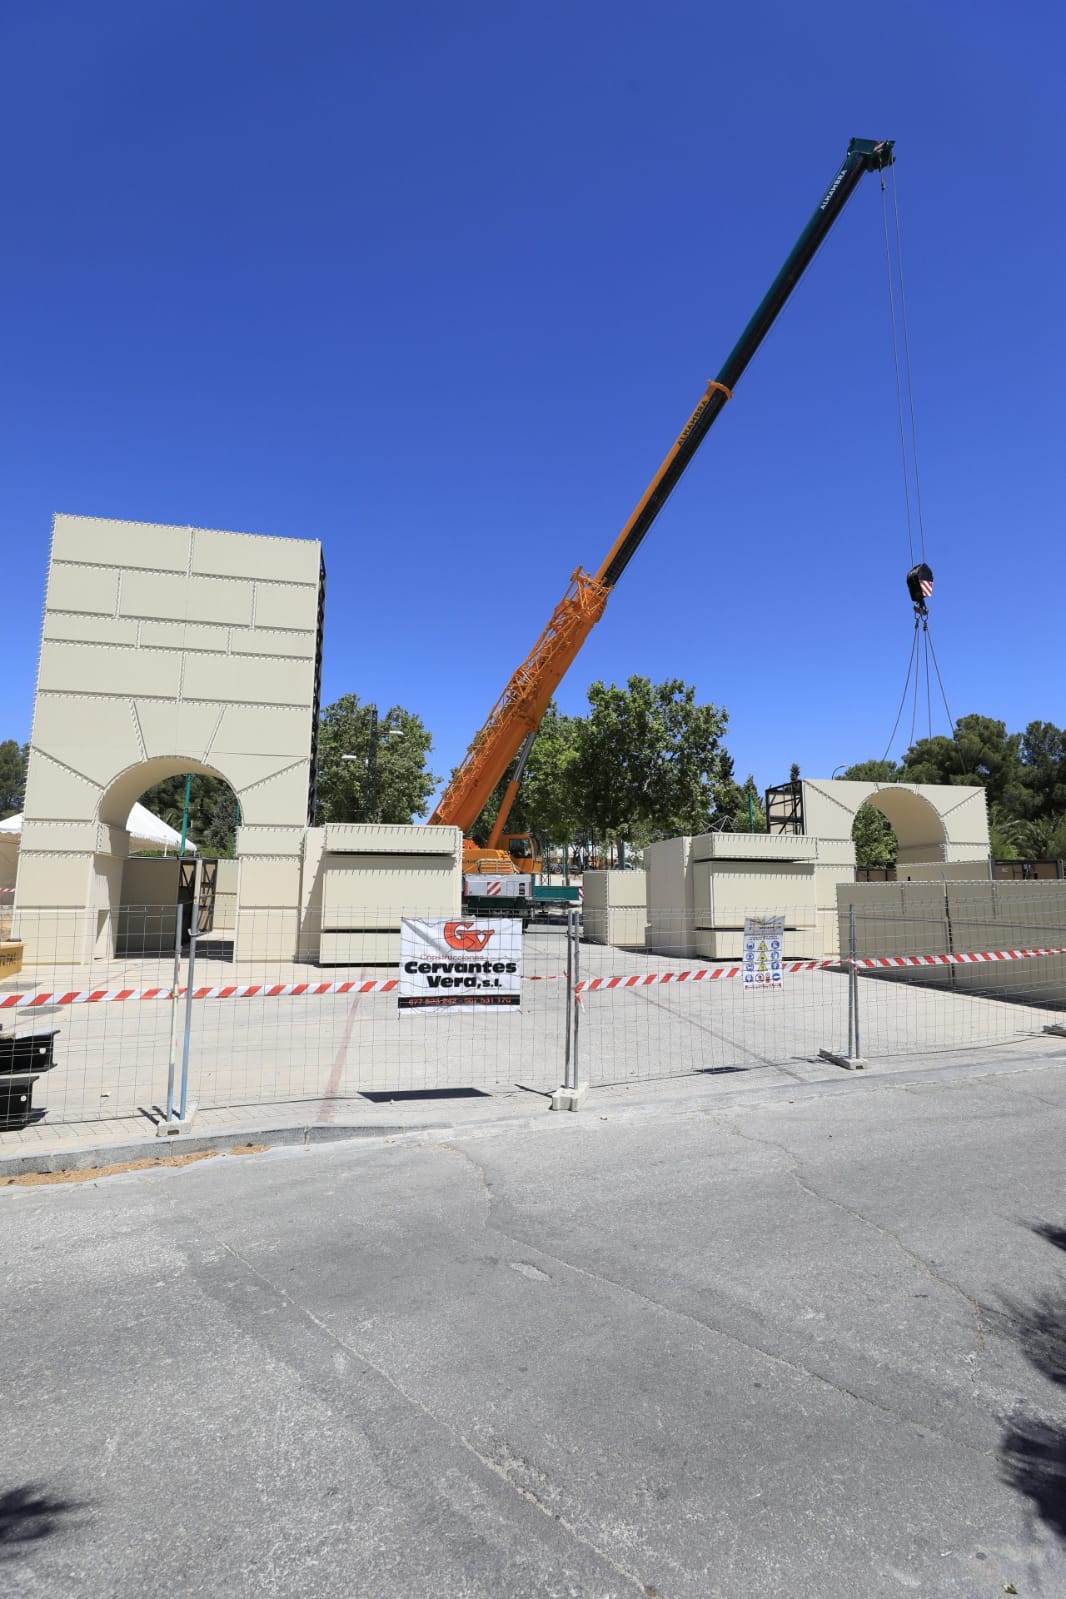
x=30, y=1514
x=1032, y=1450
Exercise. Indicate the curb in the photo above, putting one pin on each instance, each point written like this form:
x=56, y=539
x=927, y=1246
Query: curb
x=104, y=1154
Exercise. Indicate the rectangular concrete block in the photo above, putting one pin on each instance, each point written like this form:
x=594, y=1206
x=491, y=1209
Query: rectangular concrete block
x=271, y=841
x=53, y=882
x=97, y=737
x=70, y=627
x=255, y=730
x=91, y=589
x=287, y=605
x=377, y=890
x=53, y=792
x=276, y=801
x=256, y=555
x=99, y=669
x=184, y=636
x=362, y=838
x=246, y=679
x=269, y=641
x=268, y=884
x=129, y=544
x=188, y=599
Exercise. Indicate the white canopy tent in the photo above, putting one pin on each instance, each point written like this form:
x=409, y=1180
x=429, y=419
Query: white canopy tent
x=142, y=826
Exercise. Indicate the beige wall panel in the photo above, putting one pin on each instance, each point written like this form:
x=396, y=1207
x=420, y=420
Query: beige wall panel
x=275, y=802
x=82, y=588
x=96, y=669
x=96, y=737
x=185, y=599
x=51, y=881
x=267, y=938
x=360, y=949
x=108, y=543
x=614, y=888
x=270, y=841
x=64, y=837
x=781, y=847
x=375, y=891
x=277, y=645
x=254, y=555
x=55, y=939
x=257, y=730
x=9, y=863
x=177, y=728
x=617, y=925
x=53, y=792
x=286, y=605
x=183, y=636
x=267, y=884
x=364, y=838
x=248, y=679
x=70, y=628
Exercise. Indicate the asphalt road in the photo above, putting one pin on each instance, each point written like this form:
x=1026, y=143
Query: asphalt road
x=803, y=1343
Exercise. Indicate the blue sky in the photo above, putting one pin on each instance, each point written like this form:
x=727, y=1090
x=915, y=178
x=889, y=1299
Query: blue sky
x=440, y=285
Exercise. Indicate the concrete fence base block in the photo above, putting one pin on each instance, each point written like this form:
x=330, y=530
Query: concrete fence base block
x=568, y=1098
x=1057, y=1028
x=180, y=1124
x=850, y=1063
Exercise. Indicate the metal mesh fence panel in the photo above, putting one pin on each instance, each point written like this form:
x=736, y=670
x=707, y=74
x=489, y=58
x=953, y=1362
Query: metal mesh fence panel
x=98, y=1016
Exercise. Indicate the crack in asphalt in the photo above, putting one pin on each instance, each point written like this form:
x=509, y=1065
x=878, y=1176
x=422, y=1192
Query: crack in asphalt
x=356, y=1352
x=807, y=1187
x=797, y=1367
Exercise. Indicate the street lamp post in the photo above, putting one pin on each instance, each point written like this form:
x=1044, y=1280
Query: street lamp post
x=372, y=807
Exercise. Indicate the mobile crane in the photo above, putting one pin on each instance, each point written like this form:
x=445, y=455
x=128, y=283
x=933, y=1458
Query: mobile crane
x=512, y=723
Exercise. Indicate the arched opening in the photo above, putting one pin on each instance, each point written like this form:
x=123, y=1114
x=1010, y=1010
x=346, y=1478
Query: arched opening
x=153, y=892
x=876, y=845
x=917, y=826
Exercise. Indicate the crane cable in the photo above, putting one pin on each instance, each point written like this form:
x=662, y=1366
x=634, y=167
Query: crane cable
x=909, y=463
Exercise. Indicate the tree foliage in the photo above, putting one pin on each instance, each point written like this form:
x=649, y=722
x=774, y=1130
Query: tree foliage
x=212, y=824
x=649, y=760
x=386, y=778
x=12, y=776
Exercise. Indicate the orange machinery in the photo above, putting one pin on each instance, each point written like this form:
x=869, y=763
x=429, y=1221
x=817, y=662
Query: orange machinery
x=513, y=721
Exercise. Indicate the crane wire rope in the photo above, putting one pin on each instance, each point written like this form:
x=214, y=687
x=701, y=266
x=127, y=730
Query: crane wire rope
x=909, y=461
x=907, y=365
x=896, y=367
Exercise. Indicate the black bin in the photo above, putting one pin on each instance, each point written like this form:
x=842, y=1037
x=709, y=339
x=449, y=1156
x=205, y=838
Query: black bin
x=22, y=1060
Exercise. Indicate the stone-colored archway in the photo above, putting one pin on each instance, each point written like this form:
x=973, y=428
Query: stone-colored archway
x=166, y=650
x=933, y=822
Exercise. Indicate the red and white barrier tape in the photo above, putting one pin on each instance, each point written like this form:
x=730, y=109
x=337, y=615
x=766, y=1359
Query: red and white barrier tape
x=974, y=958
x=386, y=985
x=705, y=974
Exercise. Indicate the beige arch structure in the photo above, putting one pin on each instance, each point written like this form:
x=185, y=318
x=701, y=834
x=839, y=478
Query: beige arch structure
x=165, y=650
x=934, y=823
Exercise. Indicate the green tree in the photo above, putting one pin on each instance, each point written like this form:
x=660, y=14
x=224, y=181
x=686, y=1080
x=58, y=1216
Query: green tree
x=875, y=842
x=648, y=761
x=980, y=752
x=13, y=756
x=1043, y=774
x=371, y=767
x=212, y=811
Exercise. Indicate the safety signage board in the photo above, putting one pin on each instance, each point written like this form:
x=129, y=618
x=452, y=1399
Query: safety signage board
x=763, y=943
x=471, y=964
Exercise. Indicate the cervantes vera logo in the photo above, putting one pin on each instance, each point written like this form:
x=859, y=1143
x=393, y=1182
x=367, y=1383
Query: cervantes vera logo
x=465, y=936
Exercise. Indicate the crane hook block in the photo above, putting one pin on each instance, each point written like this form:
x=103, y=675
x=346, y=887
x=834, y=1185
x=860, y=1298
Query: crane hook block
x=920, y=586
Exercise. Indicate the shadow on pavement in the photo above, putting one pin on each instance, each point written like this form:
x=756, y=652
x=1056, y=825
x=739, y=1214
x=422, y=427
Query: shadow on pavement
x=1032, y=1451
x=29, y=1514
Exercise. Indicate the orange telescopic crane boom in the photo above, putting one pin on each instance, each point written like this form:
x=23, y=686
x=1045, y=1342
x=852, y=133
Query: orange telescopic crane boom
x=513, y=721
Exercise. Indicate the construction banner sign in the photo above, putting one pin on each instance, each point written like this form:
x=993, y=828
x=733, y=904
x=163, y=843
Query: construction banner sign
x=474, y=963
x=763, y=941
